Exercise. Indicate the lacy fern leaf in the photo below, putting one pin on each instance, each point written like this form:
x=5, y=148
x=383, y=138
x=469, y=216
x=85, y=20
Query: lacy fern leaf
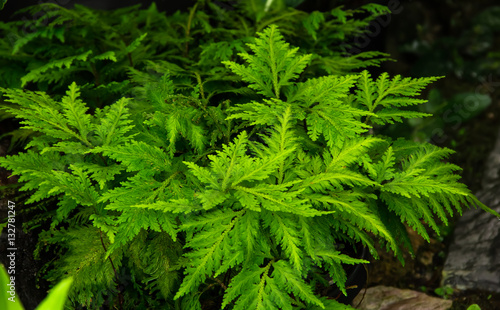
x=273, y=66
x=384, y=95
x=201, y=186
x=40, y=74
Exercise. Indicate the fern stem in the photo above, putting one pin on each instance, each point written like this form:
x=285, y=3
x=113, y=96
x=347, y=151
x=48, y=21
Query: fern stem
x=198, y=79
x=130, y=61
x=188, y=29
x=227, y=277
x=69, y=131
x=120, y=296
x=96, y=74
x=224, y=287
x=252, y=132
x=274, y=20
x=97, y=82
x=162, y=187
x=274, y=70
x=228, y=123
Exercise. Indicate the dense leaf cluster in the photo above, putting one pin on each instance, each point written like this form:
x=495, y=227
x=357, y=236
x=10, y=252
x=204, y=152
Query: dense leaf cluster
x=100, y=49
x=176, y=194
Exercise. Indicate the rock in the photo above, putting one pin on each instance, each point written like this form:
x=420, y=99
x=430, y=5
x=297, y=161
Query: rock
x=391, y=298
x=473, y=260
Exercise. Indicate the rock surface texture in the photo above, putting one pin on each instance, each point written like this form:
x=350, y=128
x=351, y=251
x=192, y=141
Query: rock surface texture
x=391, y=298
x=473, y=260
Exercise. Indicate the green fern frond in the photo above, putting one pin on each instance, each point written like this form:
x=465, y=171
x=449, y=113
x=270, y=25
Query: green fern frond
x=220, y=51
x=158, y=260
x=32, y=169
x=135, y=44
x=114, y=124
x=326, y=113
x=75, y=111
x=350, y=232
x=385, y=94
x=284, y=274
x=85, y=256
x=343, y=64
x=331, y=304
x=247, y=288
x=139, y=189
x=249, y=232
x=274, y=198
x=423, y=187
x=273, y=66
x=179, y=118
x=40, y=74
x=138, y=156
x=334, y=260
x=40, y=113
x=280, y=138
x=350, y=152
x=258, y=113
x=208, y=244
x=389, y=116
x=312, y=23
x=183, y=205
x=232, y=166
x=200, y=184
x=132, y=221
x=324, y=90
x=400, y=206
x=384, y=169
x=255, y=288
x=473, y=201
x=44, y=33
x=348, y=207
x=334, y=124
x=109, y=55
x=99, y=173
x=76, y=185
x=376, y=9
x=283, y=228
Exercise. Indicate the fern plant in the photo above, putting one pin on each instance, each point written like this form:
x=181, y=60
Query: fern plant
x=246, y=198
x=100, y=49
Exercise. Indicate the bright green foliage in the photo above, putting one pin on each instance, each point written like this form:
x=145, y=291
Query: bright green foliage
x=55, y=300
x=181, y=195
x=267, y=75
x=100, y=49
x=384, y=96
x=97, y=48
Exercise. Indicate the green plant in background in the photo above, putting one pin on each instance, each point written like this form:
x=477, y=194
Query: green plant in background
x=54, y=301
x=243, y=202
x=466, y=56
x=452, y=112
x=445, y=292
x=467, y=53
x=99, y=49
x=96, y=48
